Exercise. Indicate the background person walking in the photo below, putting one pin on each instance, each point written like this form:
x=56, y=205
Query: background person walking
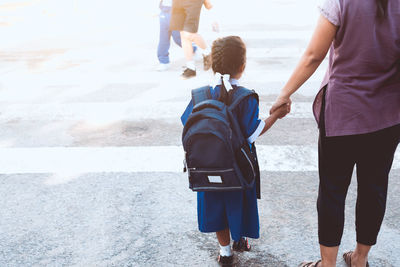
x=185, y=18
x=165, y=36
x=358, y=111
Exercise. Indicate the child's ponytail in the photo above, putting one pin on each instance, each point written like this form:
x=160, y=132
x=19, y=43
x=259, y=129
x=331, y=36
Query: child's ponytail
x=228, y=56
x=223, y=94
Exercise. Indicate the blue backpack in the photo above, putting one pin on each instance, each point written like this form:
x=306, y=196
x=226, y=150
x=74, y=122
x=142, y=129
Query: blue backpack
x=217, y=155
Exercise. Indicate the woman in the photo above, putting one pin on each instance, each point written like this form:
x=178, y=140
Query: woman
x=358, y=112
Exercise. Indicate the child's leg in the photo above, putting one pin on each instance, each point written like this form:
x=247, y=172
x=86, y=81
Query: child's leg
x=224, y=237
x=241, y=245
x=224, y=240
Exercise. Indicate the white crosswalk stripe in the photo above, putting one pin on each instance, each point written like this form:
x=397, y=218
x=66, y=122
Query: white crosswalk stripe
x=120, y=111
x=288, y=158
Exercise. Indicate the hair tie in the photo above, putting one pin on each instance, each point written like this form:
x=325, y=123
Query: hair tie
x=219, y=78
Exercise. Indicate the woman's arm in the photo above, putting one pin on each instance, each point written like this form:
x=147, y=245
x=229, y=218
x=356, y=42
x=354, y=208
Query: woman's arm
x=315, y=53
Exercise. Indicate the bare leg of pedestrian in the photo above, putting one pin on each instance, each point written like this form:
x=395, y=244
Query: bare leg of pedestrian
x=194, y=38
x=359, y=257
x=328, y=256
x=225, y=257
x=187, y=40
x=187, y=49
x=223, y=237
x=185, y=18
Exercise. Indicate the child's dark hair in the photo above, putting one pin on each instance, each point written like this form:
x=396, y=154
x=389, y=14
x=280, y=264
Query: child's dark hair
x=228, y=56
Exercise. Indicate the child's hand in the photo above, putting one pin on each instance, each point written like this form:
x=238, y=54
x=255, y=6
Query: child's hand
x=281, y=111
x=281, y=101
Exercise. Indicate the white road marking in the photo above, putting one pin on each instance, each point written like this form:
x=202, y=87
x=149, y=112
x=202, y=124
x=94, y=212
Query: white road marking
x=108, y=112
x=274, y=52
x=288, y=158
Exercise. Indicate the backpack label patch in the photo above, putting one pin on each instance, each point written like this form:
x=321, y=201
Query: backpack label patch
x=215, y=179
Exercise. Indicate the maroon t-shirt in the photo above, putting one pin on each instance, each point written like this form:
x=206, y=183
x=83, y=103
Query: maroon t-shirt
x=363, y=78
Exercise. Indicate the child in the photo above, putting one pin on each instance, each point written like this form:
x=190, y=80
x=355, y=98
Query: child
x=233, y=213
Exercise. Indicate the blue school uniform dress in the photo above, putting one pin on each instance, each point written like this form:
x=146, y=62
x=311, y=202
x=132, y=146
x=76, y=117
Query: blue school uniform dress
x=236, y=210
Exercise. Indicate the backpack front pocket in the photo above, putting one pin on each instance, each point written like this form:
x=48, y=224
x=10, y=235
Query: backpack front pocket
x=214, y=179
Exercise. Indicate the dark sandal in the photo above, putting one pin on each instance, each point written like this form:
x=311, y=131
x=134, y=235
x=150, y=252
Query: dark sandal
x=347, y=258
x=310, y=264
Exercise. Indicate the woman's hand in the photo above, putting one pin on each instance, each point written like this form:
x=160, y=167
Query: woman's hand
x=281, y=101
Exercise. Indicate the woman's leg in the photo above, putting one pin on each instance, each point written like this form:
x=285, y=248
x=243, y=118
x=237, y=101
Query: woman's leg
x=336, y=162
x=328, y=256
x=359, y=257
x=374, y=161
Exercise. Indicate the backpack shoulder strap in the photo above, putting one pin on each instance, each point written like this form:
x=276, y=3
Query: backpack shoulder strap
x=240, y=94
x=201, y=94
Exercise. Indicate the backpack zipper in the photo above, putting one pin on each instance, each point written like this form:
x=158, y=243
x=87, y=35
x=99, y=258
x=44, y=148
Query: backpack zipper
x=184, y=164
x=195, y=170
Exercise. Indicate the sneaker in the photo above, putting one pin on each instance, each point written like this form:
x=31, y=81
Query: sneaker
x=188, y=73
x=241, y=245
x=225, y=260
x=163, y=67
x=207, y=62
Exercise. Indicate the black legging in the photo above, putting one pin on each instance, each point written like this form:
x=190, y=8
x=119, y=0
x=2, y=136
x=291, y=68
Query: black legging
x=373, y=155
